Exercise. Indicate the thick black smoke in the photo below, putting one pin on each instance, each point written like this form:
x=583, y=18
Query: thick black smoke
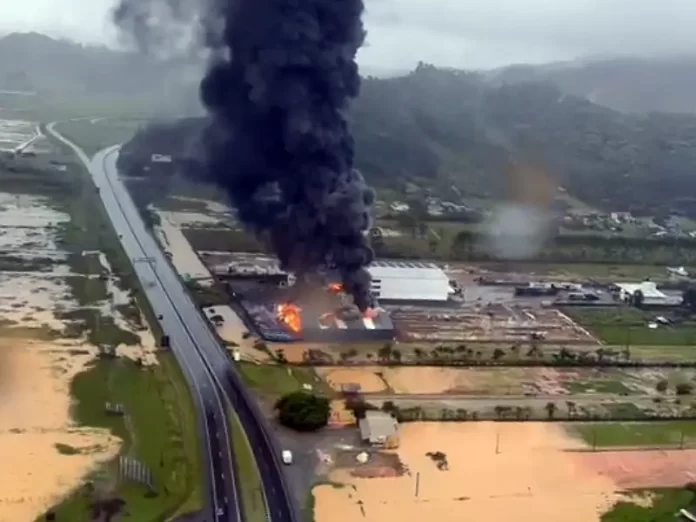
x=160, y=27
x=277, y=92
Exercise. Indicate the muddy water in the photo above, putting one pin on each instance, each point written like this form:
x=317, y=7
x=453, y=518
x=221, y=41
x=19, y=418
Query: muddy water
x=530, y=477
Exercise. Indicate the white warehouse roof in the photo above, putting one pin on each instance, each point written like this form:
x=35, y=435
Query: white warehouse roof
x=648, y=288
x=409, y=281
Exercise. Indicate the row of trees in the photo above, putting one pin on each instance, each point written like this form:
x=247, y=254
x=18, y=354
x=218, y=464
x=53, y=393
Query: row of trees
x=303, y=411
x=462, y=354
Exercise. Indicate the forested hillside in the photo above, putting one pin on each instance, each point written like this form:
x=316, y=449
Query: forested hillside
x=657, y=84
x=445, y=127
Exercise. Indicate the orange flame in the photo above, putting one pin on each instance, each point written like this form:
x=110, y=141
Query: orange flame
x=369, y=313
x=335, y=288
x=289, y=314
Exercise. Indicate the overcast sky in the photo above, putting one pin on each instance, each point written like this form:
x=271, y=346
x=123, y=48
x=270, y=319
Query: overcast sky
x=460, y=33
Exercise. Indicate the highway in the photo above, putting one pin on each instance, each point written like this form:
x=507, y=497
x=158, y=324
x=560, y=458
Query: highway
x=280, y=503
x=279, y=500
x=221, y=503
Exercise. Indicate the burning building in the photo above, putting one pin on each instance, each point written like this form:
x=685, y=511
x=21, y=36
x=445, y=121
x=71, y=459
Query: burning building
x=289, y=315
x=332, y=317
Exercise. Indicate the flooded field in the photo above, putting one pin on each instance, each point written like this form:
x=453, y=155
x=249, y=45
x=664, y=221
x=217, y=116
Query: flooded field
x=20, y=135
x=532, y=477
x=40, y=354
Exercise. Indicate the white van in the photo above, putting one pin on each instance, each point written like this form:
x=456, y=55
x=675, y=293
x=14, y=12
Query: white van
x=287, y=457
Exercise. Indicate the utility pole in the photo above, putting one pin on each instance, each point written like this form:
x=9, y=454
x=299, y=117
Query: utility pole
x=497, y=443
x=594, y=439
x=417, y=482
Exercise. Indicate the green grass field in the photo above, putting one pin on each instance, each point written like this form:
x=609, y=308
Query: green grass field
x=156, y=431
x=277, y=380
x=663, y=353
x=251, y=488
x=615, y=434
x=613, y=272
x=93, y=135
x=665, y=504
x=627, y=326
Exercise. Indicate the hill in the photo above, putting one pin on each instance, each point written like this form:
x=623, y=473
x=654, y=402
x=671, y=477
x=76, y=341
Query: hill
x=434, y=127
x=624, y=84
x=444, y=128
x=86, y=78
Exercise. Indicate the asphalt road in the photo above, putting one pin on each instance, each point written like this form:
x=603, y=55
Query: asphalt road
x=221, y=502
x=280, y=503
x=278, y=497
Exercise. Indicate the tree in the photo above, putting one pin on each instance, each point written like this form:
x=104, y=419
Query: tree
x=684, y=388
x=662, y=385
x=638, y=298
x=689, y=298
x=385, y=352
x=571, y=408
x=497, y=354
x=303, y=411
x=550, y=409
x=359, y=407
x=396, y=354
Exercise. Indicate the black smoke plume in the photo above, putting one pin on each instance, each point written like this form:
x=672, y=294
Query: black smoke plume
x=281, y=76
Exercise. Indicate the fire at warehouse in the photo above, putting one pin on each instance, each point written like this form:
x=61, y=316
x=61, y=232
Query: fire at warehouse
x=315, y=309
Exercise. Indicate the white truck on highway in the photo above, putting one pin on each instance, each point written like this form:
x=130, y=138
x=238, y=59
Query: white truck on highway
x=287, y=457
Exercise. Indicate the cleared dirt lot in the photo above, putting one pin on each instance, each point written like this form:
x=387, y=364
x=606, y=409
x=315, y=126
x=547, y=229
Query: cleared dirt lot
x=530, y=478
x=499, y=322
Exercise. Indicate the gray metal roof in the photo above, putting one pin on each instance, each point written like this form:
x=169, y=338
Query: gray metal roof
x=377, y=426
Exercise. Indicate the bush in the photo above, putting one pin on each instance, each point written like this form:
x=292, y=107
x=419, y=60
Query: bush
x=359, y=407
x=684, y=388
x=662, y=386
x=303, y=411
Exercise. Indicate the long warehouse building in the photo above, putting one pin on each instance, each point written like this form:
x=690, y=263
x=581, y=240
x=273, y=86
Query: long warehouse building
x=399, y=281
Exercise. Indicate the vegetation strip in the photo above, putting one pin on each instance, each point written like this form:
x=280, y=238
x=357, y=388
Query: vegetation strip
x=247, y=474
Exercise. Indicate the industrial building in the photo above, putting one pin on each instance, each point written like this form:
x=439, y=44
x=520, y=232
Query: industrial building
x=398, y=281
x=379, y=429
x=651, y=294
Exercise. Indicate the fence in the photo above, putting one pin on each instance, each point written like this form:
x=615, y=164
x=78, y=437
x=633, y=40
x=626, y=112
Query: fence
x=134, y=471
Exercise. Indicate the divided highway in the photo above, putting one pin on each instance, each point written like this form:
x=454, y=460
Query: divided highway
x=221, y=503
x=280, y=503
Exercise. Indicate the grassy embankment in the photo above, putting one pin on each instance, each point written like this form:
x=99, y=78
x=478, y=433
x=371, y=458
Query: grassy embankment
x=159, y=427
x=664, y=505
x=628, y=326
x=253, y=505
x=639, y=434
x=94, y=135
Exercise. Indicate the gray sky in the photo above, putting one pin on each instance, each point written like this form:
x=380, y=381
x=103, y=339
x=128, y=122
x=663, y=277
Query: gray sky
x=460, y=33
